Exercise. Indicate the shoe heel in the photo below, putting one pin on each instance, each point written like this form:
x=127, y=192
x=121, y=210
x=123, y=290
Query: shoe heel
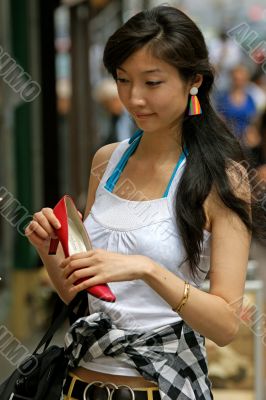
x=53, y=246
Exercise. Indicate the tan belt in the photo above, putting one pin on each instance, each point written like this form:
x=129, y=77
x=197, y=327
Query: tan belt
x=77, y=389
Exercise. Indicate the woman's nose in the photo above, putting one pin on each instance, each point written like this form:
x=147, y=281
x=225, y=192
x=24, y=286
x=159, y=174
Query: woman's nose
x=137, y=97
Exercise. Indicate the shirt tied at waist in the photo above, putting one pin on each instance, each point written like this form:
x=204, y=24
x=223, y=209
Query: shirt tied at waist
x=172, y=356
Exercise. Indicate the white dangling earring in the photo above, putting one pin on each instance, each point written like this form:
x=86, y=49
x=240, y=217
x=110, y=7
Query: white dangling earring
x=194, y=104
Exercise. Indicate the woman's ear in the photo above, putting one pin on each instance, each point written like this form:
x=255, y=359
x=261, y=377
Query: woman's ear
x=197, y=81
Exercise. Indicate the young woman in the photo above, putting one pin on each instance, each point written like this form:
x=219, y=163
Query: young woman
x=164, y=209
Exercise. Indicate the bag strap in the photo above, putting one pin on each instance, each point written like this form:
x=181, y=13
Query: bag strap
x=60, y=314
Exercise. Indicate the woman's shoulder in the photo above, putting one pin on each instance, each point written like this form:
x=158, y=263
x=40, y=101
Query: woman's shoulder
x=99, y=167
x=238, y=180
x=105, y=153
x=106, y=157
x=237, y=172
x=102, y=158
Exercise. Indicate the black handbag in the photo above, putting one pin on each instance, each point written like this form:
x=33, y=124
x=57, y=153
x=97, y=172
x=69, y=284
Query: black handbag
x=41, y=376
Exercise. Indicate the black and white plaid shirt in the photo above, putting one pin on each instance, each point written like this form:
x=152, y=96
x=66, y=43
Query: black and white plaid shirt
x=173, y=356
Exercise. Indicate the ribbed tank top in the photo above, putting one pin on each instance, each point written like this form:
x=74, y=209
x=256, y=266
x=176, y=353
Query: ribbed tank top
x=147, y=228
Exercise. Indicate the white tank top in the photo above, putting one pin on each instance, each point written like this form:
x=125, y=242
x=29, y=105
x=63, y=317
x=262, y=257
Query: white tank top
x=138, y=227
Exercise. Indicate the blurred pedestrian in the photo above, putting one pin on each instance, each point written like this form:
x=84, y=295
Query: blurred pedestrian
x=120, y=125
x=236, y=105
x=256, y=143
x=225, y=55
x=257, y=89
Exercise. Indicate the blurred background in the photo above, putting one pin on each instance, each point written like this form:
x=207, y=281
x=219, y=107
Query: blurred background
x=58, y=106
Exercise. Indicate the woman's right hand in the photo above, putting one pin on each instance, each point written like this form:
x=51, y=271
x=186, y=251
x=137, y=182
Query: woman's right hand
x=42, y=229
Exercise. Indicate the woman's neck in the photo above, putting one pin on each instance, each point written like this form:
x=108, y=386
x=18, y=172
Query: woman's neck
x=158, y=147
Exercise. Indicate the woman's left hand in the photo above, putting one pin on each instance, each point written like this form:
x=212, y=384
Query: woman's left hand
x=101, y=266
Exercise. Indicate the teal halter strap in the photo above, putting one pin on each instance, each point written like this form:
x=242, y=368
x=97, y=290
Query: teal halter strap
x=134, y=142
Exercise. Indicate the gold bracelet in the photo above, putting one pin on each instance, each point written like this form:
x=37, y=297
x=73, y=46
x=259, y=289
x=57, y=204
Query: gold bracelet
x=184, y=299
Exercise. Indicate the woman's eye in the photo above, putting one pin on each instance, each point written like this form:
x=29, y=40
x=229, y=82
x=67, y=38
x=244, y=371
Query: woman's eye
x=149, y=83
x=121, y=80
x=153, y=83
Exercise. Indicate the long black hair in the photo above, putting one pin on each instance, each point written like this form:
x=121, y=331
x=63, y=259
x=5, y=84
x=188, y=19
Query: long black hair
x=174, y=38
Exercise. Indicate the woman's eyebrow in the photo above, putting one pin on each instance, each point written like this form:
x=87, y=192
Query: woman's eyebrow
x=144, y=72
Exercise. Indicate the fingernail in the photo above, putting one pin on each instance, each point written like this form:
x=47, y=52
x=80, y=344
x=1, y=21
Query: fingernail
x=58, y=225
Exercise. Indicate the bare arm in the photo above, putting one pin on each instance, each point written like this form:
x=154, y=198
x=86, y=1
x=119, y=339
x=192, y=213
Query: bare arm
x=42, y=228
x=213, y=314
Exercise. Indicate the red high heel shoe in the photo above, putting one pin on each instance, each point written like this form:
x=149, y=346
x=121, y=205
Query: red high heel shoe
x=74, y=239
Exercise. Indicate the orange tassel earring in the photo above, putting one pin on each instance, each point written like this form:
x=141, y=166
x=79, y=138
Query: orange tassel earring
x=194, y=104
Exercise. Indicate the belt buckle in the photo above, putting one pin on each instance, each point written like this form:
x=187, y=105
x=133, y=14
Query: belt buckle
x=92, y=383
x=126, y=386
x=110, y=391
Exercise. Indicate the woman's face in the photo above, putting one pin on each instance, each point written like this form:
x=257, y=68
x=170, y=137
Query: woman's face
x=152, y=91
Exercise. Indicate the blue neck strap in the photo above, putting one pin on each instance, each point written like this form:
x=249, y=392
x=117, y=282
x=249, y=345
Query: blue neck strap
x=134, y=142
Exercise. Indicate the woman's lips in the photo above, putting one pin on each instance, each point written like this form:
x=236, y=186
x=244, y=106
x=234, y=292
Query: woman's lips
x=143, y=116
